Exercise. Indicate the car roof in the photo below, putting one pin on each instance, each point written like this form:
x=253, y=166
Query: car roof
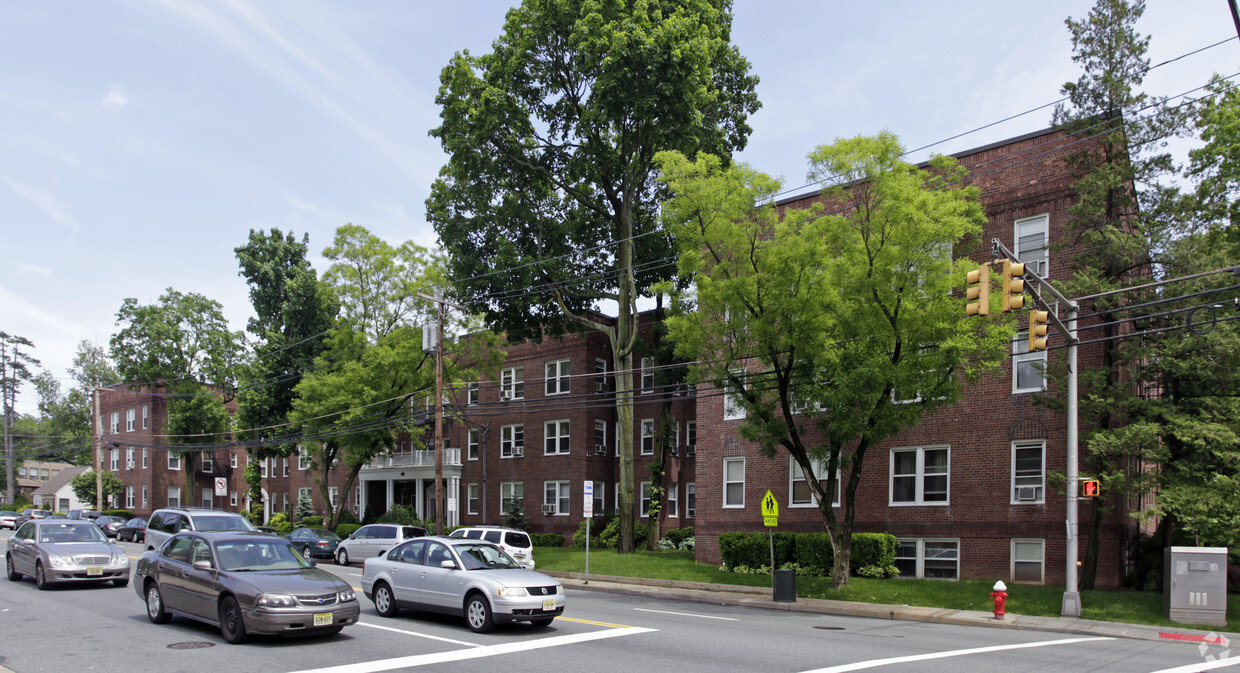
x=60, y=522
x=220, y=535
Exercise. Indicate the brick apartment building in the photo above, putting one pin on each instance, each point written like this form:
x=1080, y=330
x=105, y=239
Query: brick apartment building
x=966, y=491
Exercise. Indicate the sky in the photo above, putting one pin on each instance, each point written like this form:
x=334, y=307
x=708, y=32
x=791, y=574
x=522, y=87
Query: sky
x=142, y=140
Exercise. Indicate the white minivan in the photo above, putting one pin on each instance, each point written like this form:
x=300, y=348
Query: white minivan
x=515, y=542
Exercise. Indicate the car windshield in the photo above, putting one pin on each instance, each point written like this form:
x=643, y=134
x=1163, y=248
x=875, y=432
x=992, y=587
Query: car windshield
x=65, y=532
x=484, y=557
x=257, y=555
x=211, y=522
x=325, y=534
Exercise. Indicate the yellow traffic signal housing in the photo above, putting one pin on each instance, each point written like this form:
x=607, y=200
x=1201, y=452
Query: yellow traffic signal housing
x=1013, y=285
x=1037, y=330
x=1090, y=488
x=977, y=291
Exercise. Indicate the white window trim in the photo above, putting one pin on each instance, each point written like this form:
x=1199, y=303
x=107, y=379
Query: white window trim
x=646, y=423
x=471, y=393
x=563, y=490
x=724, y=499
x=671, y=503
x=820, y=467
x=232, y=498
x=734, y=410
x=1020, y=354
x=144, y=415
x=1041, y=487
x=647, y=371
x=174, y=496
x=1041, y=559
x=920, y=563
x=560, y=377
x=561, y=440
x=508, y=445
x=174, y=461
x=511, y=488
x=472, y=443
x=471, y=498
x=691, y=502
x=1046, y=240
x=129, y=419
x=919, y=476
x=512, y=386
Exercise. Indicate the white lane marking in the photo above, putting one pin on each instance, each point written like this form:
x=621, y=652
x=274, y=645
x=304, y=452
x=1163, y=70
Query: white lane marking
x=420, y=635
x=686, y=614
x=875, y=663
x=1203, y=666
x=476, y=653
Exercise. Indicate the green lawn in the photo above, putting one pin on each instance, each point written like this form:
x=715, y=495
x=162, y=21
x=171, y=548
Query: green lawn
x=1134, y=607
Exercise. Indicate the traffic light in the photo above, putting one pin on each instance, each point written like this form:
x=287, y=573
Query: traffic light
x=1090, y=488
x=1013, y=285
x=977, y=291
x=1037, y=329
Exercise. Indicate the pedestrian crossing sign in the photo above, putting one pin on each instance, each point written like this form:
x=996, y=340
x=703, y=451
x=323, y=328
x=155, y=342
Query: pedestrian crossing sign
x=770, y=510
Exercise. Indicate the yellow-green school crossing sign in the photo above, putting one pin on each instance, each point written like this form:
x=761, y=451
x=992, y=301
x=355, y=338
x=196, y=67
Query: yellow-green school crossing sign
x=770, y=510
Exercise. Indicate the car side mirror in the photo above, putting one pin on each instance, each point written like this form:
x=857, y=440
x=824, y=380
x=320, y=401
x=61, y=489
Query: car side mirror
x=312, y=562
x=202, y=565
x=448, y=564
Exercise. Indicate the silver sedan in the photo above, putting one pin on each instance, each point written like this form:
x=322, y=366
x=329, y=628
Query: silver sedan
x=56, y=551
x=244, y=583
x=470, y=578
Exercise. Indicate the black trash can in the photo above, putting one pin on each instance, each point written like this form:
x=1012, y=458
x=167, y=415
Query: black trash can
x=785, y=586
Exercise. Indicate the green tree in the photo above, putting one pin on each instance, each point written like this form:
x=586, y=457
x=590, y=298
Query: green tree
x=549, y=186
x=829, y=331
x=83, y=486
x=15, y=368
x=69, y=416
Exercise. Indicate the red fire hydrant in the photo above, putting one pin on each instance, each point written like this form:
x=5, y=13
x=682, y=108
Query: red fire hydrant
x=1000, y=595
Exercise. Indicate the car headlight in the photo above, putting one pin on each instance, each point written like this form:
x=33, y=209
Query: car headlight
x=120, y=560
x=59, y=561
x=347, y=595
x=513, y=592
x=275, y=601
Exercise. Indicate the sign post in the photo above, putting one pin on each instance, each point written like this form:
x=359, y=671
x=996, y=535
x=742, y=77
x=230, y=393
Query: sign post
x=588, y=506
x=221, y=486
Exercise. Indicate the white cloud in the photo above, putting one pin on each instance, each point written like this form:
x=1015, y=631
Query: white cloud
x=33, y=270
x=45, y=202
x=115, y=98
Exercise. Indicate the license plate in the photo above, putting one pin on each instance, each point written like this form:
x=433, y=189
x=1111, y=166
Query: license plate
x=549, y=604
x=94, y=572
x=323, y=619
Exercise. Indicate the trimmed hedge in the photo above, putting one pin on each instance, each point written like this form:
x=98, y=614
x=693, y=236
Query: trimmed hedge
x=122, y=513
x=547, y=539
x=807, y=550
x=344, y=530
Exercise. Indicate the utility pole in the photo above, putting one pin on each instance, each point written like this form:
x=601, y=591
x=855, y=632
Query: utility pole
x=440, y=304
x=96, y=448
x=9, y=486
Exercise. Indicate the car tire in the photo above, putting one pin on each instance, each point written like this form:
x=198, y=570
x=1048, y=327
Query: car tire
x=14, y=576
x=478, y=614
x=342, y=557
x=155, y=605
x=121, y=583
x=385, y=602
x=40, y=577
x=232, y=625
x=542, y=623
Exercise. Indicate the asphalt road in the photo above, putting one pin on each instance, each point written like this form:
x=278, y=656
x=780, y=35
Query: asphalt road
x=105, y=629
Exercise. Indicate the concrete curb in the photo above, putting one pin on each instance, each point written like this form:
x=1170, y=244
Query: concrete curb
x=760, y=597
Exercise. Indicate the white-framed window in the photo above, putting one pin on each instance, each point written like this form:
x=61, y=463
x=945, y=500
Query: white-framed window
x=114, y=459
x=647, y=448
x=304, y=494
x=1028, y=369
x=647, y=375
x=208, y=463
x=555, y=438
x=1028, y=472
x=471, y=393
x=600, y=497
x=144, y=458
x=129, y=419
x=1031, y=235
x=512, y=383
x=174, y=462
x=690, y=438
x=601, y=384
x=556, y=377
x=733, y=482
x=510, y=493
x=333, y=496
x=207, y=497
x=174, y=496
x=671, y=502
x=262, y=467
x=471, y=498
x=644, y=505
x=303, y=458
x=232, y=459
x=144, y=416
x=1028, y=561
x=129, y=458
x=232, y=498
x=690, y=500
x=674, y=433
x=114, y=422
x=144, y=499
x=129, y=497
x=733, y=407
x=919, y=475
x=600, y=436
x=928, y=558
x=555, y=498
x=799, y=492
x=471, y=443
x=512, y=441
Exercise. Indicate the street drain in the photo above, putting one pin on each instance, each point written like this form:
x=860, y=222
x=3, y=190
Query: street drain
x=193, y=645
x=830, y=628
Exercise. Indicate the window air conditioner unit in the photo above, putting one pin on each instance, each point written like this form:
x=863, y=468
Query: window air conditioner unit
x=690, y=512
x=548, y=510
x=600, y=449
x=129, y=465
x=1027, y=493
x=690, y=450
x=600, y=386
x=518, y=451
x=673, y=450
x=505, y=394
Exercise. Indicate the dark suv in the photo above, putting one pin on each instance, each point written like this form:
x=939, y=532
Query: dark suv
x=166, y=522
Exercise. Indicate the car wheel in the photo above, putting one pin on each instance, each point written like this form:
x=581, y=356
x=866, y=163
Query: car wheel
x=342, y=557
x=385, y=602
x=14, y=576
x=155, y=605
x=40, y=578
x=121, y=583
x=231, y=623
x=478, y=614
x=542, y=623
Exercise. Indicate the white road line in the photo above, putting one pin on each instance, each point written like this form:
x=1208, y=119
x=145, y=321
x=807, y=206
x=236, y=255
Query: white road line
x=476, y=653
x=420, y=635
x=686, y=614
x=875, y=663
x=1203, y=666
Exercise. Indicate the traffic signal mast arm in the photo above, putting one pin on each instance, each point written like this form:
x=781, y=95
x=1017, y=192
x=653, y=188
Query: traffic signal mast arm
x=1032, y=284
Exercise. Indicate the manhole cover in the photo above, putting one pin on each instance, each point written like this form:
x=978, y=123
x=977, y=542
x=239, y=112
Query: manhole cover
x=830, y=628
x=196, y=645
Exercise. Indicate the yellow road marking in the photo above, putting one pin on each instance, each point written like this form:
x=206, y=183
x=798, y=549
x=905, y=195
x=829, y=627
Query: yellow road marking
x=594, y=623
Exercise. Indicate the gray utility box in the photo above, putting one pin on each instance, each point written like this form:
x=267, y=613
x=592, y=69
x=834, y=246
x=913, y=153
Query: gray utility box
x=1195, y=585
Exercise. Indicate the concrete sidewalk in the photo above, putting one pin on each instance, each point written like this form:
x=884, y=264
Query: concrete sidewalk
x=760, y=597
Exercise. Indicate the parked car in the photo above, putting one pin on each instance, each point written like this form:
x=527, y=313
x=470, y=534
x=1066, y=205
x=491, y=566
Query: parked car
x=516, y=542
x=315, y=542
x=64, y=551
x=133, y=530
x=268, y=530
x=32, y=514
x=373, y=540
x=109, y=524
x=244, y=582
x=164, y=523
x=8, y=519
x=461, y=576
x=90, y=514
